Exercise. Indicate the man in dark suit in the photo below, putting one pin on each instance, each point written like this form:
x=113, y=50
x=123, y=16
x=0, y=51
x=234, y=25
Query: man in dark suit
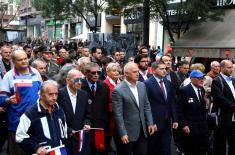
x=163, y=110
x=74, y=102
x=98, y=100
x=223, y=93
x=192, y=116
x=132, y=113
x=142, y=61
x=171, y=75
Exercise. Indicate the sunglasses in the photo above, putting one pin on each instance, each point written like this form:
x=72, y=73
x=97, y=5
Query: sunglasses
x=78, y=80
x=95, y=72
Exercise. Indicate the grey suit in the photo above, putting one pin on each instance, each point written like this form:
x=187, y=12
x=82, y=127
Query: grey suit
x=131, y=118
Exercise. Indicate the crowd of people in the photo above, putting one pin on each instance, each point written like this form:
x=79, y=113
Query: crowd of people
x=63, y=94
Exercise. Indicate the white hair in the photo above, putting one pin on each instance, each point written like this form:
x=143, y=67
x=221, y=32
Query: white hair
x=80, y=60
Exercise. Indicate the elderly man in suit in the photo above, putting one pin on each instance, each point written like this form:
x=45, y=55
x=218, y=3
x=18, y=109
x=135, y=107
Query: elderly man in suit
x=223, y=93
x=74, y=102
x=161, y=99
x=132, y=113
x=98, y=102
x=192, y=116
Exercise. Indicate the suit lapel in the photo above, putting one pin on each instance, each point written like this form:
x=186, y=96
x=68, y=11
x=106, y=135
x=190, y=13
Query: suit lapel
x=194, y=93
x=157, y=87
x=128, y=91
x=69, y=103
x=226, y=86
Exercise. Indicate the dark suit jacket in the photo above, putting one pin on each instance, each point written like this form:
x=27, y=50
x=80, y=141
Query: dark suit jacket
x=76, y=120
x=131, y=118
x=163, y=111
x=192, y=112
x=223, y=99
x=82, y=116
x=175, y=83
x=98, y=105
x=141, y=77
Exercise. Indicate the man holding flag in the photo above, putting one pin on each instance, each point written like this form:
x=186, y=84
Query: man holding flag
x=74, y=102
x=42, y=128
x=19, y=90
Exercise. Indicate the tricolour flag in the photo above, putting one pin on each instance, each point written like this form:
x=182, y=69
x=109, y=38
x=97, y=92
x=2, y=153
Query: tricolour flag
x=81, y=135
x=23, y=81
x=60, y=150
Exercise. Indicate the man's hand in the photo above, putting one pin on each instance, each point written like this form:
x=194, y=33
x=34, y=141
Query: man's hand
x=186, y=130
x=87, y=128
x=41, y=151
x=152, y=129
x=11, y=100
x=175, y=125
x=125, y=139
x=2, y=110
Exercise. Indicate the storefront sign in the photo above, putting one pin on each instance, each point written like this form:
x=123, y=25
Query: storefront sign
x=132, y=16
x=225, y=2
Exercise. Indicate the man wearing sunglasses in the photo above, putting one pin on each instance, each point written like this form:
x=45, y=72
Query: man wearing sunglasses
x=74, y=102
x=98, y=102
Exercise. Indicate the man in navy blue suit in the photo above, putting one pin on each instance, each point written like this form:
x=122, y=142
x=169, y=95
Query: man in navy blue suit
x=161, y=99
x=192, y=116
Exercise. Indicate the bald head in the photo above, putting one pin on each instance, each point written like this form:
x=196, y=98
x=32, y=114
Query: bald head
x=74, y=80
x=129, y=66
x=17, y=53
x=20, y=60
x=74, y=72
x=131, y=72
x=226, y=67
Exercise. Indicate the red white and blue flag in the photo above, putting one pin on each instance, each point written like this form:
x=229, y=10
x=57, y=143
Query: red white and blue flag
x=60, y=150
x=23, y=81
x=81, y=135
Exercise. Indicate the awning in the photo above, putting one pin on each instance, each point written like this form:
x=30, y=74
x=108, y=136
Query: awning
x=209, y=39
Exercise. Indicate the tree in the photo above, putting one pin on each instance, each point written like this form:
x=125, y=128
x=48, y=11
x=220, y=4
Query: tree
x=187, y=12
x=52, y=9
x=86, y=7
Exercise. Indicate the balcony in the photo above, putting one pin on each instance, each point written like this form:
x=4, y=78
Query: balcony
x=110, y=16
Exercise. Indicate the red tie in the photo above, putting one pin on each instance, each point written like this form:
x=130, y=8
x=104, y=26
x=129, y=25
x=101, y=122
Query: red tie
x=93, y=89
x=162, y=88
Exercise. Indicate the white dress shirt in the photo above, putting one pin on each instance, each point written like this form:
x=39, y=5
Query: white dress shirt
x=144, y=74
x=158, y=81
x=134, y=91
x=230, y=83
x=73, y=99
x=196, y=91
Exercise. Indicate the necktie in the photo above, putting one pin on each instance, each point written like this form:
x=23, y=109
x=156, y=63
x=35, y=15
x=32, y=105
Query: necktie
x=162, y=88
x=93, y=89
x=199, y=95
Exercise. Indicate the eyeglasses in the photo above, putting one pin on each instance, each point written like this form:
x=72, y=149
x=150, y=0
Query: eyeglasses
x=95, y=72
x=78, y=80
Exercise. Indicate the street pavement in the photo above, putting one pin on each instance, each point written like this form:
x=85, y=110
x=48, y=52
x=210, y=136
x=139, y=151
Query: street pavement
x=173, y=148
